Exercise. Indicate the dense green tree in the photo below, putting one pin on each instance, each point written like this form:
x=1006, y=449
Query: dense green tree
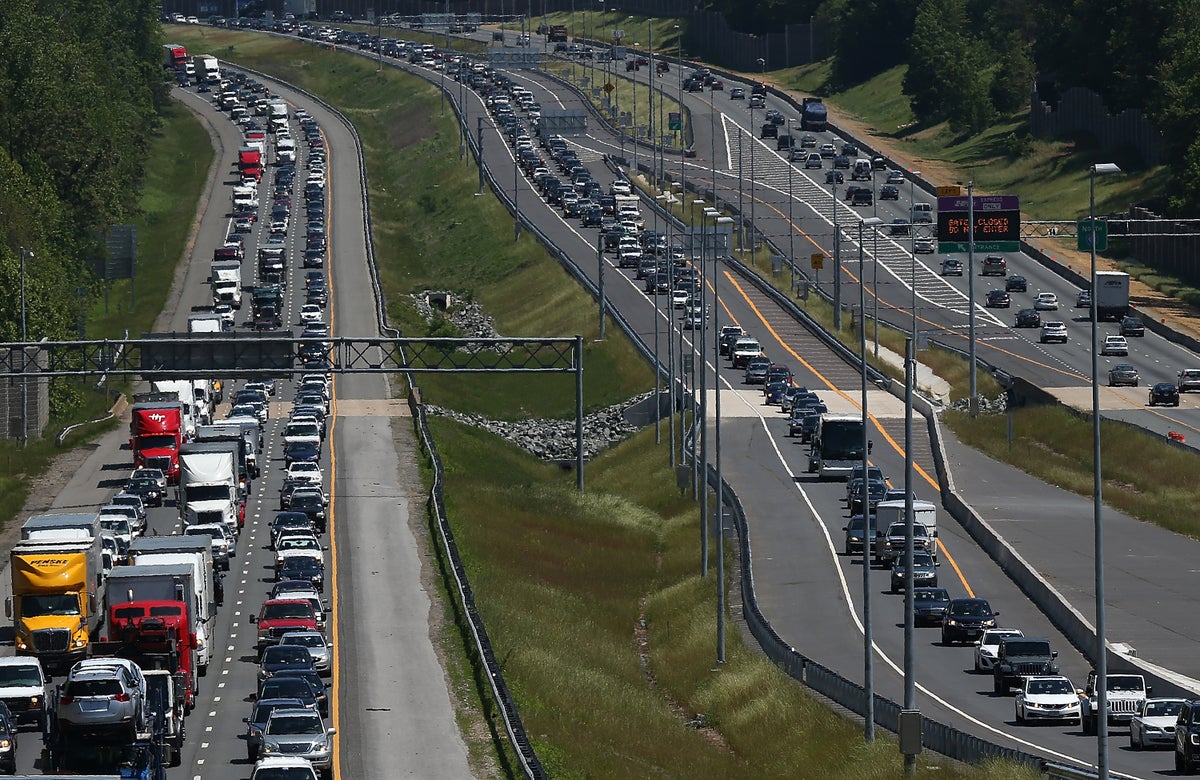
x=1013, y=73
x=871, y=36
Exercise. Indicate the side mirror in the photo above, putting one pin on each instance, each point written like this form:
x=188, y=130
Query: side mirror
x=245, y=720
x=995, y=614
x=845, y=528
x=1054, y=654
x=1149, y=691
x=937, y=565
x=331, y=731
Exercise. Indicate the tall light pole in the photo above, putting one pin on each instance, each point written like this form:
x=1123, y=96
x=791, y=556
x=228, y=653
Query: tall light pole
x=24, y=354
x=837, y=259
x=717, y=448
x=1101, y=717
x=868, y=658
x=910, y=659
x=912, y=194
x=791, y=224
x=974, y=404
x=875, y=264
x=762, y=65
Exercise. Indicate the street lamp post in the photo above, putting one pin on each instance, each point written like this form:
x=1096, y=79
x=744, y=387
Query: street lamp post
x=1101, y=717
x=974, y=403
x=762, y=65
x=791, y=224
x=912, y=194
x=837, y=259
x=717, y=455
x=24, y=354
x=875, y=264
x=868, y=658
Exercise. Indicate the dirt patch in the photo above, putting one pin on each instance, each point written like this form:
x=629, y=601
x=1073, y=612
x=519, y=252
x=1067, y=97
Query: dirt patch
x=641, y=640
x=406, y=129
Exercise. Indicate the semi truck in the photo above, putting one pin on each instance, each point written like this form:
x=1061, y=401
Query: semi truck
x=64, y=527
x=250, y=162
x=813, y=115
x=241, y=485
x=193, y=401
x=154, y=634
x=226, y=281
x=557, y=33
x=57, y=591
x=251, y=432
x=207, y=487
x=1112, y=294
x=156, y=434
x=889, y=512
x=232, y=434
x=196, y=552
x=175, y=57
x=207, y=68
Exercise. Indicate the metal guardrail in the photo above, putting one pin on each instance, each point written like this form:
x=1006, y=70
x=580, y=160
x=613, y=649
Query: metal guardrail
x=526, y=756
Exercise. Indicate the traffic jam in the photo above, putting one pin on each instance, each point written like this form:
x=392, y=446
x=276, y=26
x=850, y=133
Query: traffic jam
x=116, y=610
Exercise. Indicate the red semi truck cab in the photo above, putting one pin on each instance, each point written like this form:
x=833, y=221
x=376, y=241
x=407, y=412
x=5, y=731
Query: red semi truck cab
x=155, y=635
x=155, y=436
x=250, y=162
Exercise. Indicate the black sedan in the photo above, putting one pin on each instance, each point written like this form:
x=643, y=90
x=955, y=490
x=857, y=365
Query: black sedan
x=889, y=192
x=1028, y=318
x=966, y=619
x=924, y=571
x=147, y=489
x=1016, y=283
x=929, y=605
x=1164, y=394
x=998, y=299
x=301, y=452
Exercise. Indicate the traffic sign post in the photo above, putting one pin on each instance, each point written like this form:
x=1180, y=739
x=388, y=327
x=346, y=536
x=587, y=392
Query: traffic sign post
x=997, y=223
x=1088, y=231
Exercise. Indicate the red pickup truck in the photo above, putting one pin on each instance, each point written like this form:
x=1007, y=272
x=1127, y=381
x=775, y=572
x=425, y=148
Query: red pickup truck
x=279, y=616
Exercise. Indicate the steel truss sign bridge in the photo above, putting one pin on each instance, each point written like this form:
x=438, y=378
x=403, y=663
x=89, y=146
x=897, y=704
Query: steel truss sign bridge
x=280, y=354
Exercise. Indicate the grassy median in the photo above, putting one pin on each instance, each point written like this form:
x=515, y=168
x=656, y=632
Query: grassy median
x=576, y=589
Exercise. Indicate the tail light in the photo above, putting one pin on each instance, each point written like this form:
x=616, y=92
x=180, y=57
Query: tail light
x=121, y=697
x=66, y=700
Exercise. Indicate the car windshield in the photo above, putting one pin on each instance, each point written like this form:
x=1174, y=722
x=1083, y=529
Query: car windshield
x=1050, y=686
x=49, y=604
x=162, y=442
x=286, y=654
x=285, y=611
x=931, y=595
x=1119, y=683
x=306, y=640
x=215, y=533
x=299, y=543
x=287, y=687
x=16, y=676
x=1162, y=709
x=1026, y=648
x=294, y=724
x=922, y=559
x=971, y=609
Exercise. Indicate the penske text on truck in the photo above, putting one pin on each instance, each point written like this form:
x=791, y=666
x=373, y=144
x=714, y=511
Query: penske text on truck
x=58, y=590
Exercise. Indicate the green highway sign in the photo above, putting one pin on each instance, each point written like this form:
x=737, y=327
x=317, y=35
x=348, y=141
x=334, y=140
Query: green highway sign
x=1085, y=235
x=961, y=247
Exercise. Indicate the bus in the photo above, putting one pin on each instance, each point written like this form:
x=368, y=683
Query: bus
x=837, y=446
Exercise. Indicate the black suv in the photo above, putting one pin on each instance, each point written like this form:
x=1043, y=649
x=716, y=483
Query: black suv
x=1187, y=738
x=1018, y=657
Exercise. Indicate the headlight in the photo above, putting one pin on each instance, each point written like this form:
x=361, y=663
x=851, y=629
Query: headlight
x=270, y=747
x=952, y=622
x=5, y=744
x=1195, y=738
x=35, y=701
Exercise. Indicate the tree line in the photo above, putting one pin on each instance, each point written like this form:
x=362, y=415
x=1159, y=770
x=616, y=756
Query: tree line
x=970, y=62
x=81, y=86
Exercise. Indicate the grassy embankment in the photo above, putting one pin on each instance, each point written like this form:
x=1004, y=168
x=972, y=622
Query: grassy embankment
x=565, y=579
x=182, y=155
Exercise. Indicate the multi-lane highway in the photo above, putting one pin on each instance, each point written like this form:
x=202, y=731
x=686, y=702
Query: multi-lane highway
x=811, y=594
x=393, y=719
x=393, y=715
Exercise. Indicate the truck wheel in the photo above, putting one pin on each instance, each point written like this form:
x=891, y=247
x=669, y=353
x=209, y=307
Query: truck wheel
x=251, y=753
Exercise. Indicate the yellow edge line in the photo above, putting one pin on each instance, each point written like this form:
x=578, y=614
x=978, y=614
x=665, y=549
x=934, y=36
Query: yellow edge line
x=331, y=526
x=895, y=445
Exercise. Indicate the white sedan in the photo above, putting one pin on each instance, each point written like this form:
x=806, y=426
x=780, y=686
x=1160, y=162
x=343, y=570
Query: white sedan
x=1153, y=724
x=302, y=431
x=1048, y=698
x=987, y=647
x=1114, y=345
x=304, y=472
x=1046, y=301
x=310, y=312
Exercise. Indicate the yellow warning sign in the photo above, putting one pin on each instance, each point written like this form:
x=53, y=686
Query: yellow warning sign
x=818, y=261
